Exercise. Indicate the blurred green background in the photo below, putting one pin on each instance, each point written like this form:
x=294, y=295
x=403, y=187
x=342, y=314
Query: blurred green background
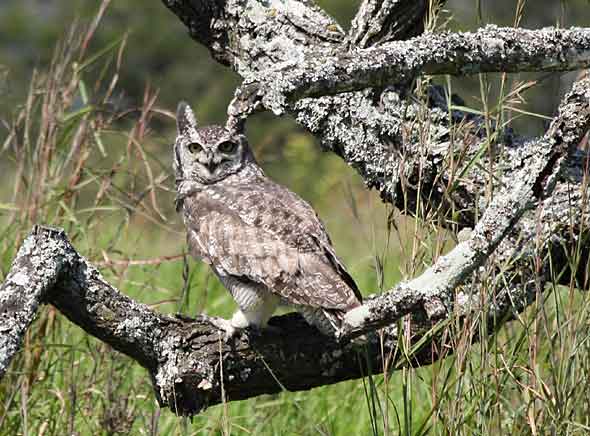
x=117, y=205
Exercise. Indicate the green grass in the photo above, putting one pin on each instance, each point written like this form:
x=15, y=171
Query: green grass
x=106, y=179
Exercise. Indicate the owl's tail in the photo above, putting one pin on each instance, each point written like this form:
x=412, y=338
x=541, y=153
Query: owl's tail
x=327, y=321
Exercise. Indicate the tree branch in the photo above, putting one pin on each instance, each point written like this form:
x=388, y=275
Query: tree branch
x=184, y=357
x=490, y=49
x=20, y=297
x=243, y=34
x=379, y=133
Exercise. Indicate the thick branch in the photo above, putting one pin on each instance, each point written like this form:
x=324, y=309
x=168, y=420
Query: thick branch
x=381, y=135
x=490, y=49
x=20, y=296
x=242, y=34
x=390, y=137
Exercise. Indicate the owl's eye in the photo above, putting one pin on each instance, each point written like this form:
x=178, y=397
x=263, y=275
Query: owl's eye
x=227, y=147
x=193, y=147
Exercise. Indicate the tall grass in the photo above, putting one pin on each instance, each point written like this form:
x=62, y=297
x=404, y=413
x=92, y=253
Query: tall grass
x=79, y=155
x=72, y=157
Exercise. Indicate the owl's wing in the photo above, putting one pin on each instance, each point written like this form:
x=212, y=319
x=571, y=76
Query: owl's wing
x=269, y=236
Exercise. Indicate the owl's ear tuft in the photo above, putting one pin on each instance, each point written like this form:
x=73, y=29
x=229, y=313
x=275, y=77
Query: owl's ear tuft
x=185, y=118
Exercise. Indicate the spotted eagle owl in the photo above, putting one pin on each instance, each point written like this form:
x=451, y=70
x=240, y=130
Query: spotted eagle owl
x=266, y=244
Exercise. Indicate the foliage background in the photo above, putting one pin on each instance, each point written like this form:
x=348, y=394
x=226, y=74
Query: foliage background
x=118, y=207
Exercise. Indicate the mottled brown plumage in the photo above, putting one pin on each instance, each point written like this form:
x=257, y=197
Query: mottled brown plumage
x=264, y=242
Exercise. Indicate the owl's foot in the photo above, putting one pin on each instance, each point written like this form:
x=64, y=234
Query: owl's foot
x=227, y=329
x=230, y=328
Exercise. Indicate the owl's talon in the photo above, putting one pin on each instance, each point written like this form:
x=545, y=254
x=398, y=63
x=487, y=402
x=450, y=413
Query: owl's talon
x=226, y=329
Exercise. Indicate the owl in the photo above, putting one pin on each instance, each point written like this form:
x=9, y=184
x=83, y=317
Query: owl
x=267, y=245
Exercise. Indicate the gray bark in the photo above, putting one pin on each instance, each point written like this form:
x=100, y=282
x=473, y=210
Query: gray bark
x=410, y=149
x=25, y=287
x=490, y=49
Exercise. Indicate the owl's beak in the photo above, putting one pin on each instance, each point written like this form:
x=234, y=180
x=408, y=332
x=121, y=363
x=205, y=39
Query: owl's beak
x=208, y=162
x=210, y=165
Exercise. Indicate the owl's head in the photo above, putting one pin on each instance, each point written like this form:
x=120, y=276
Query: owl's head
x=207, y=154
